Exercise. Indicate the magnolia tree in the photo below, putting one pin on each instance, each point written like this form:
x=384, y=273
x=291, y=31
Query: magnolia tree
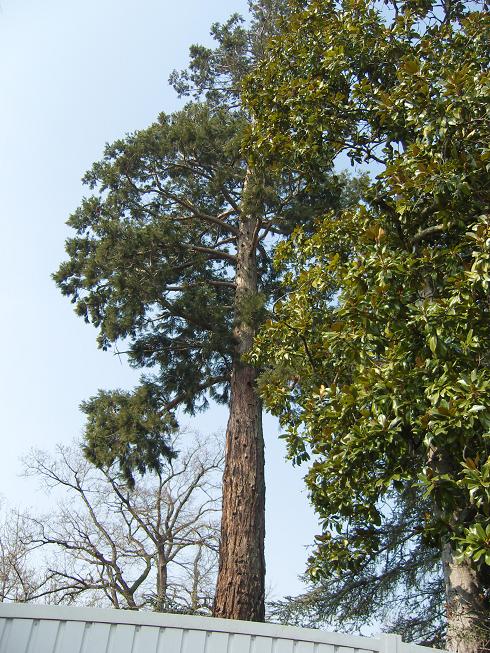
x=377, y=357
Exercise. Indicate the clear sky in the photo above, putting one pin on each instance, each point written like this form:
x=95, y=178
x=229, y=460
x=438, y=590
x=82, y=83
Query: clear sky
x=75, y=74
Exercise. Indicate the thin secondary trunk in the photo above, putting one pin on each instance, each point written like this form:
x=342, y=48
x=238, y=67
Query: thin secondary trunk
x=162, y=581
x=196, y=577
x=240, y=586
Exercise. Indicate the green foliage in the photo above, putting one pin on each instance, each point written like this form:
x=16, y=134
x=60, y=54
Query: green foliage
x=146, y=264
x=251, y=309
x=351, y=78
x=153, y=258
x=399, y=588
x=129, y=428
x=475, y=541
x=377, y=359
x=216, y=74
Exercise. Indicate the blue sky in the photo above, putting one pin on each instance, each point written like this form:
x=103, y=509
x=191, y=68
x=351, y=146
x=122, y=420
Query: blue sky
x=75, y=74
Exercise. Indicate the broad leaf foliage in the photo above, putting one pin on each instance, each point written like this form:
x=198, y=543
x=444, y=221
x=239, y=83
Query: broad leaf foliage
x=377, y=359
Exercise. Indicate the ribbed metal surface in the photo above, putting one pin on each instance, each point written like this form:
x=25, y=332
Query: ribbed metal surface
x=51, y=629
x=39, y=636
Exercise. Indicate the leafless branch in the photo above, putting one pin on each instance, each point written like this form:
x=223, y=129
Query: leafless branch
x=153, y=546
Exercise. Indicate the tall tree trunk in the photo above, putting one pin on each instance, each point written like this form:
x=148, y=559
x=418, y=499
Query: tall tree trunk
x=240, y=586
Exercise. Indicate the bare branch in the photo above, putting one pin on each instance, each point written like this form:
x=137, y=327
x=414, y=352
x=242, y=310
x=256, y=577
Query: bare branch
x=154, y=546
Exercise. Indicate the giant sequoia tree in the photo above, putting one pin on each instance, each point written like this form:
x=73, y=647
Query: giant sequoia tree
x=171, y=256
x=379, y=354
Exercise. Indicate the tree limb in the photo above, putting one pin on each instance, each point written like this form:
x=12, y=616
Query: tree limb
x=427, y=233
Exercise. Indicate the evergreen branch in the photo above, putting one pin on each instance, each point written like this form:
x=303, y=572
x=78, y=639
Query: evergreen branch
x=255, y=237
x=197, y=169
x=213, y=380
x=226, y=241
x=272, y=228
x=213, y=253
x=210, y=282
x=216, y=220
x=228, y=197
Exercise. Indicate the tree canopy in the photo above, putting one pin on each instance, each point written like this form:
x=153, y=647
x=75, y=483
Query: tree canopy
x=151, y=263
x=149, y=546
x=377, y=356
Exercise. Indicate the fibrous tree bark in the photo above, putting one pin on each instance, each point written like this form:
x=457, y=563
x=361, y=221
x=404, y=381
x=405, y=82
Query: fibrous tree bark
x=467, y=610
x=240, y=588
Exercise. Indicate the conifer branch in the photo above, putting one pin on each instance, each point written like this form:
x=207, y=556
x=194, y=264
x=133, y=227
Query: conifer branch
x=197, y=213
x=210, y=282
x=213, y=253
x=213, y=380
x=228, y=197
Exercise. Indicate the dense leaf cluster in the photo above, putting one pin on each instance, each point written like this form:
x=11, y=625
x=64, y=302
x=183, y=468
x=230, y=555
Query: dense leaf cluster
x=152, y=259
x=129, y=428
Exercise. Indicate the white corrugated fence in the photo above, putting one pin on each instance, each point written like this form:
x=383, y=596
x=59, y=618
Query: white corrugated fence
x=28, y=628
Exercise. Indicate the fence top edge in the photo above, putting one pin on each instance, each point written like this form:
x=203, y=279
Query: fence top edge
x=184, y=622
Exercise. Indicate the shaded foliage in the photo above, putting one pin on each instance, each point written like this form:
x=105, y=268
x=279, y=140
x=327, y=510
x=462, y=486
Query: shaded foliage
x=399, y=587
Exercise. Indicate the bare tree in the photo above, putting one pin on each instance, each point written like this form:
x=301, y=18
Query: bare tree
x=23, y=578
x=153, y=546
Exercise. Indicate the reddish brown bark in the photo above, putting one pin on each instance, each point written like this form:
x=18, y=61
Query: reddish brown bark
x=240, y=586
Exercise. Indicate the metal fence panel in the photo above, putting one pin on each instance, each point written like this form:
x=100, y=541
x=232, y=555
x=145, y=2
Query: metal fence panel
x=58, y=629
